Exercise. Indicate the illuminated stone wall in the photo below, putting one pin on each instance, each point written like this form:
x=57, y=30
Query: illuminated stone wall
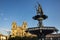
x=3, y=37
x=20, y=30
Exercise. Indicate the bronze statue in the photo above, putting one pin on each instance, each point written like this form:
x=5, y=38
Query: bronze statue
x=39, y=10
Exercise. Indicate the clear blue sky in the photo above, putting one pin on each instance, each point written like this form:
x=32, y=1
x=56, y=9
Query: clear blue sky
x=24, y=10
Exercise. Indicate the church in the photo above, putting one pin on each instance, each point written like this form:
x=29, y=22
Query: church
x=20, y=30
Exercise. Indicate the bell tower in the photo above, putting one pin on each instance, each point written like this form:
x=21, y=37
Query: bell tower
x=14, y=25
x=24, y=25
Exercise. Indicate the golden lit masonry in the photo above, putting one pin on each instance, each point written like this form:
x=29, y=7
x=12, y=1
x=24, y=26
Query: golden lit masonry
x=20, y=30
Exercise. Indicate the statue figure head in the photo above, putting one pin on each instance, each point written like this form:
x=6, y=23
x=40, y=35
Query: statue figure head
x=39, y=10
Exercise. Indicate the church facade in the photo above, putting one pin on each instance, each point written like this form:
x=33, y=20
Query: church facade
x=20, y=30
